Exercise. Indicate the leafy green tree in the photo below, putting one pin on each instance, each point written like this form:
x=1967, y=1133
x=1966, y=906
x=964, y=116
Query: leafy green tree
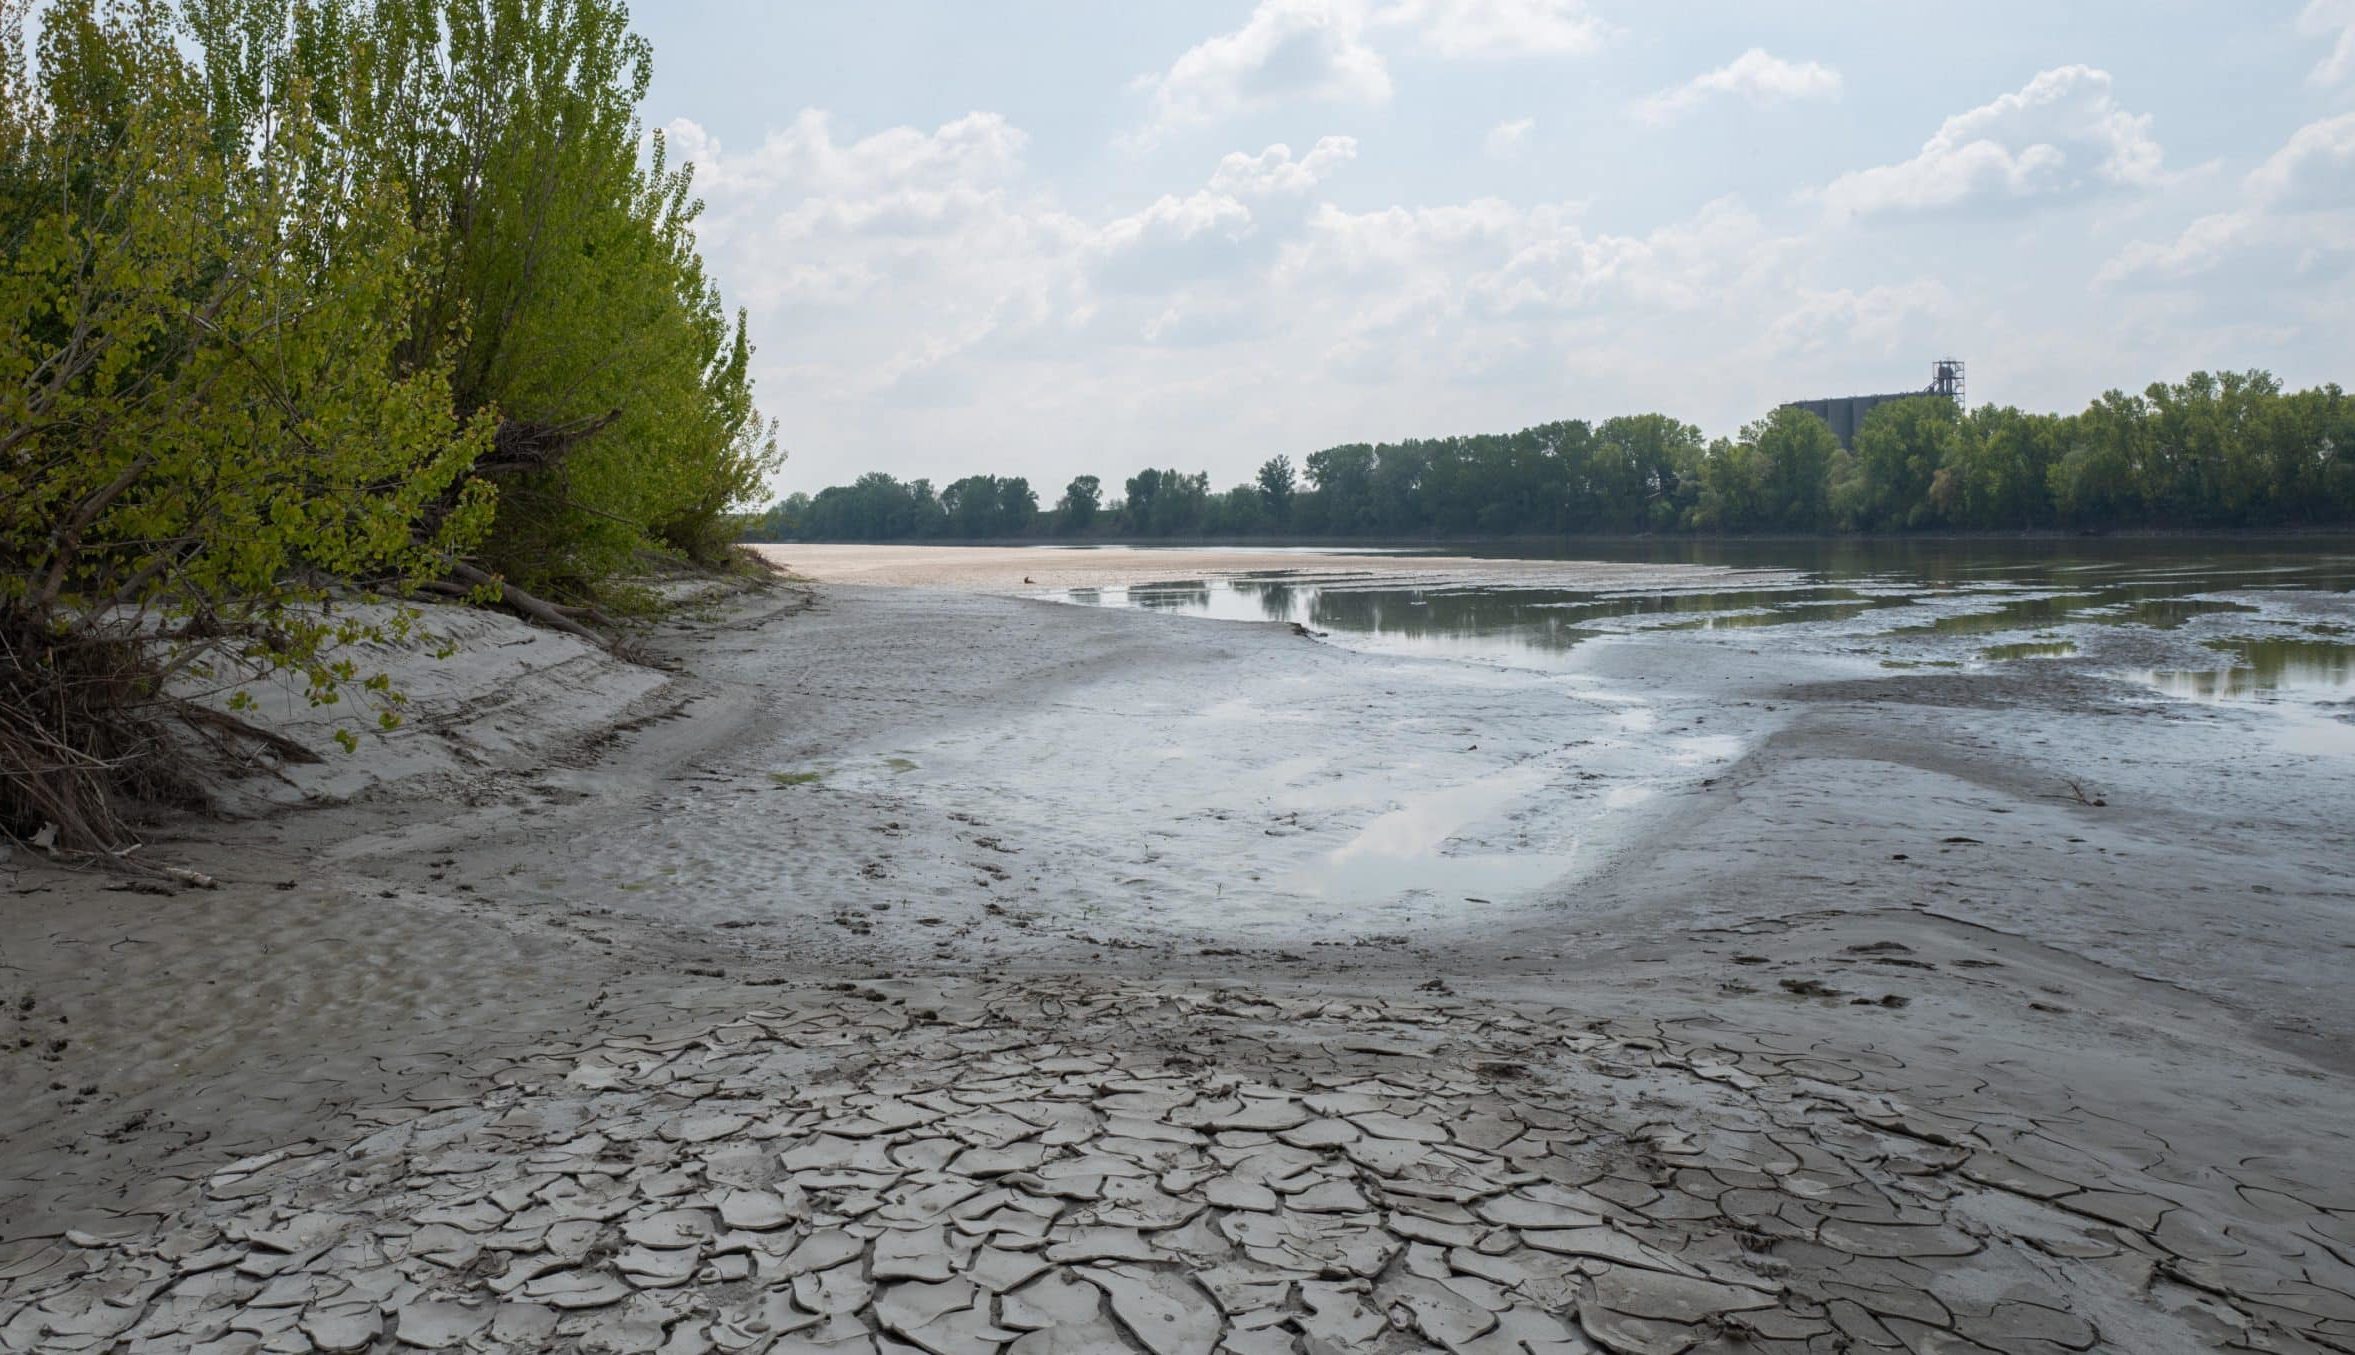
x=1641, y=464
x=1017, y=506
x=1241, y=511
x=558, y=283
x=206, y=425
x=972, y=506
x=1182, y=503
x=1276, y=488
x=1142, y=489
x=1082, y=499
x=1344, y=479
x=1732, y=491
x=1397, y=485
x=2098, y=479
x=1899, y=449
x=1795, y=451
x=1997, y=470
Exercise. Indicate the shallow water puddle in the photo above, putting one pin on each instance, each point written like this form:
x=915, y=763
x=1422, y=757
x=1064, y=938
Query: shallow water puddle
x=1516, y=624
x=2260, y=667
x=2294, y=682
x=1404, y=852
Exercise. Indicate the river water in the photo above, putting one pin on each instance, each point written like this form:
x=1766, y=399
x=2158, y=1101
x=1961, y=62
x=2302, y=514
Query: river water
x=2193, y=620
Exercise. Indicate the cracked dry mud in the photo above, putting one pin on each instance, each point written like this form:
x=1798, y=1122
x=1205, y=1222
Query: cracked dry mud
x=1066, y=1165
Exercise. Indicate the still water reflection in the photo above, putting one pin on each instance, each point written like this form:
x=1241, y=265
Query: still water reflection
x=2274, y=614
x=2263, y=666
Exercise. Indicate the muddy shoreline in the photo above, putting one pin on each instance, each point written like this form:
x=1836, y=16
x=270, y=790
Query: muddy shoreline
x=1884, y=897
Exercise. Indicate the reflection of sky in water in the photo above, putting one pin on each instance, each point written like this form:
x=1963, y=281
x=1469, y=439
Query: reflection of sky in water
x=1523, y=623
x=1896, y=609
x=1518, y=625
x=1404, y=851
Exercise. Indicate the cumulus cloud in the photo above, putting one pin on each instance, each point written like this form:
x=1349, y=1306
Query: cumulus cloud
x=1275, y=171
x=2063, y=134
x=917, y=245
x=1879, y=317
x=2297, y=205
x=1499, y=28
x=1488, y=293
x=1321, y=49
x=1757, y=76
x=1286, y=49
x=1496, y=258
x=1504, y=141
x=2314, y=171
x=2333, y=20
x=883, y=259
x=921, y=292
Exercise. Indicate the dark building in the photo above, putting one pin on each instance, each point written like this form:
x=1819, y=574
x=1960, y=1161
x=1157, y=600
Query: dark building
x=1845, y=413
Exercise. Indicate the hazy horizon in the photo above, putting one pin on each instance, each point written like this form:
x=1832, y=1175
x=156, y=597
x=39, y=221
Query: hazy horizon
x=1064, y=238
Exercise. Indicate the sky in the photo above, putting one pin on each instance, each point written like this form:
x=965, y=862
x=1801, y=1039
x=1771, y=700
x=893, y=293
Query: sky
x=1054, y=237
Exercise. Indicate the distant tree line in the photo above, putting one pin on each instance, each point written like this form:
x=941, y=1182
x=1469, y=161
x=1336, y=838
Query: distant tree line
x=2230, y=450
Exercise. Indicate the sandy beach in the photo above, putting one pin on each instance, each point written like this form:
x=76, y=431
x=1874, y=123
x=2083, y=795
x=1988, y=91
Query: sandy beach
x=912, y=963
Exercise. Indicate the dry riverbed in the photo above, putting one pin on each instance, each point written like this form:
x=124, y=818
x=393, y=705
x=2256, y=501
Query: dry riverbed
x=912, y=966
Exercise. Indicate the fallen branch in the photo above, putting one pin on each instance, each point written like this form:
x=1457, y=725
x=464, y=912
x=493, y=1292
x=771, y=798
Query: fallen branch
x=538, y=609
x=2078, y=792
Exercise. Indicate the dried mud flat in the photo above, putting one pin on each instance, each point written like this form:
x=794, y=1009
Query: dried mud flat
x=407, y=1084
x=1075, y=1166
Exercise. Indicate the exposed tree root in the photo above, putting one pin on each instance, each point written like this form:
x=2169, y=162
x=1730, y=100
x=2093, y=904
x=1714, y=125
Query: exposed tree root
x=81, y=732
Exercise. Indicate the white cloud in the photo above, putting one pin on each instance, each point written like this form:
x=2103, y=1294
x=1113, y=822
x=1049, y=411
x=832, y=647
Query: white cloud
x=894, y=257
x=915, y=245
x=1757, y=76
x=2314, y=171
x=1454, y=299
x=1492, y=258
x=1319, y=49
x=923, y=301
x=1287, y=49
x=1882, y=318
x=1504, y=141
x=1275, y=171
x=2063, y=134
x=2296, y=207
x=1499, y=28
x=2335, y=20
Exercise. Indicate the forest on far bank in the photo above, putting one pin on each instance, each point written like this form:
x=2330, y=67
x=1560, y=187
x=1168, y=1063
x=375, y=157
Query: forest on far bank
x=2211, y=451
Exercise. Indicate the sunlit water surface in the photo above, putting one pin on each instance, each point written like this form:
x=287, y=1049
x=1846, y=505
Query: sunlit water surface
x=2269, y=629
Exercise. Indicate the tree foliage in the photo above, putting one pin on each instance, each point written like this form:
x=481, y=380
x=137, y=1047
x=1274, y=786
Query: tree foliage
x=2214, y=450
x=305, y=300
x=1081, y=500
x=558, y=281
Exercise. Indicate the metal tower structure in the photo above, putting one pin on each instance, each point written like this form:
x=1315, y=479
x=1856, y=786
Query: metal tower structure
x=1946, y=378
